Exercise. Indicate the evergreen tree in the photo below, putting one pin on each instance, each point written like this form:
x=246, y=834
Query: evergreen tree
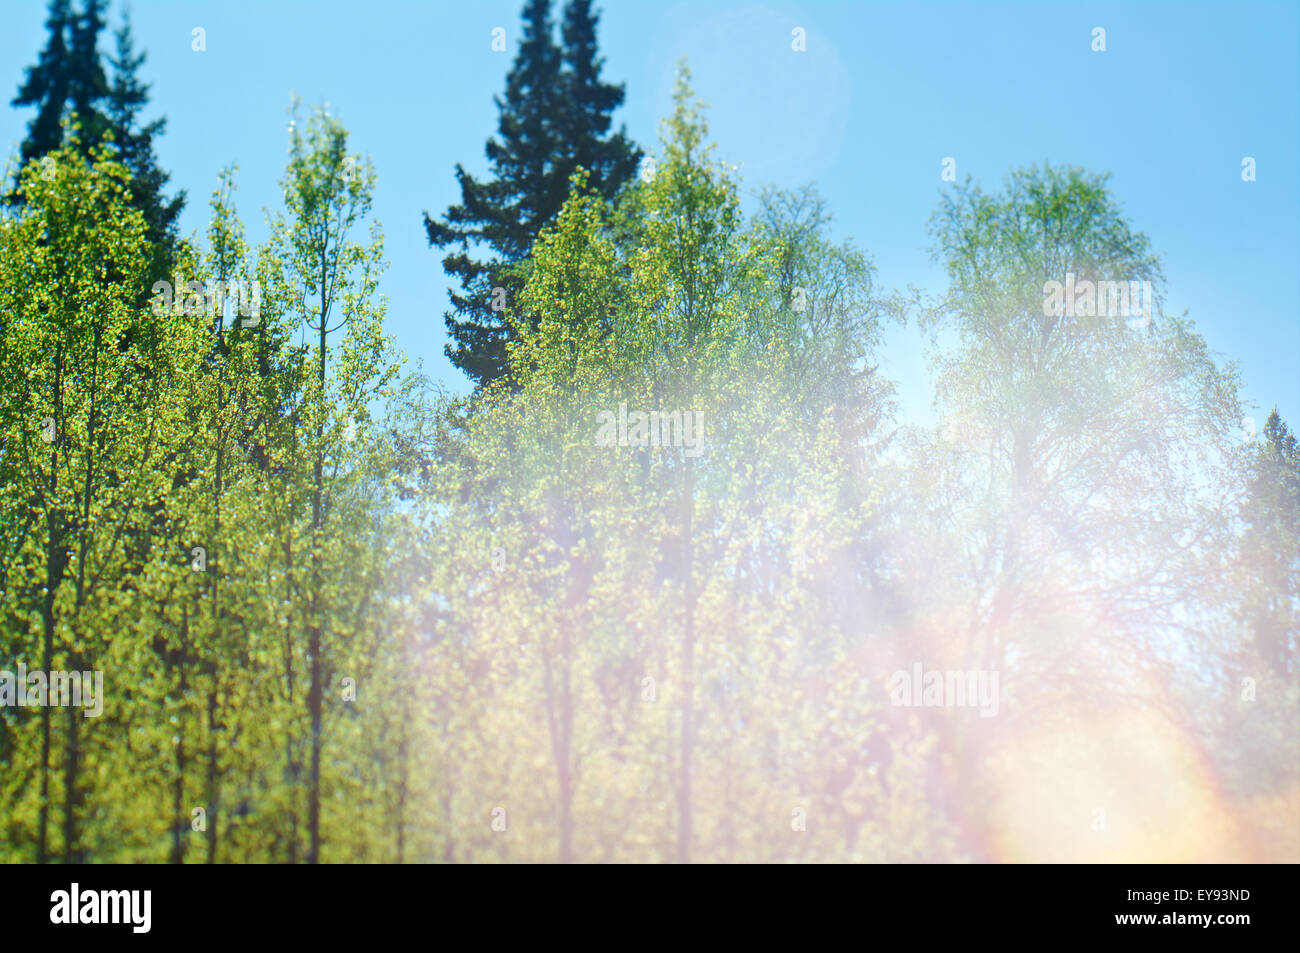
x=67, y=77
x=47, y=86
x=126, y=98
x=69, y=80
x=1270, y=553
x=553, y=118
x=610, y=160
x=89, y=86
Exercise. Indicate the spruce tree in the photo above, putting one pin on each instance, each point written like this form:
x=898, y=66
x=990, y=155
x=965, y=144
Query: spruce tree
x=89, y=86
x=69, y=79
x=555, y=116
x=610, y=160
x=48, y=86
x=1270, y=547
x=126, y=98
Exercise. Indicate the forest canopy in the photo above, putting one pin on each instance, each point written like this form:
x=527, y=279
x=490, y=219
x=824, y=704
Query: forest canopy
x=675, y=581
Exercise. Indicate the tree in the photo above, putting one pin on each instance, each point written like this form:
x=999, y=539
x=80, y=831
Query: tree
x=1077, y=491
x=328, y=193
x=554, y=117
x=588, y=105
x=606, y=618
x=68, y=77
x=89, y=424
x=1271, y=548
x=69, y=83
x=125, y=100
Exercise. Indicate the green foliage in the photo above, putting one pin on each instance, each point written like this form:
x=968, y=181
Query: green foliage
x=664, y=613
x=203, y=529
x=639, y=596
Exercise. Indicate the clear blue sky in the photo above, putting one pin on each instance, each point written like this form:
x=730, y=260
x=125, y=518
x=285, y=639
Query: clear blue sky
x=883, y=93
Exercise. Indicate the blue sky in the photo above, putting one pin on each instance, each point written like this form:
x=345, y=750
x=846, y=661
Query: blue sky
x=884, y=91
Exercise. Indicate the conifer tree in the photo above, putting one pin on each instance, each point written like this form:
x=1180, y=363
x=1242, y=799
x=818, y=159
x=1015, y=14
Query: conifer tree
x=610, y=160
x=126, y=98
x=1270, y=552
x=46, y=86
x=69, y=81
x=555, y=116
x=68, y=77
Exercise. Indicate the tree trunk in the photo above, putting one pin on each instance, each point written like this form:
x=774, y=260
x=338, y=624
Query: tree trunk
x=315, y=691
x=688, y=677
x=213, y=793
x=55, y=560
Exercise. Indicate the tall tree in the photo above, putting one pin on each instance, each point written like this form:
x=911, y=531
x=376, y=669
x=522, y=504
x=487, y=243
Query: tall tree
x=610, y=159
x=1271, y=548
x=46, y=86
x=554, y=117
x=607, y=617
x=328, y=196
x=89, y=86
x=1081, y=470
x=94, y=382
x=67, y=79
x=125, y=100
